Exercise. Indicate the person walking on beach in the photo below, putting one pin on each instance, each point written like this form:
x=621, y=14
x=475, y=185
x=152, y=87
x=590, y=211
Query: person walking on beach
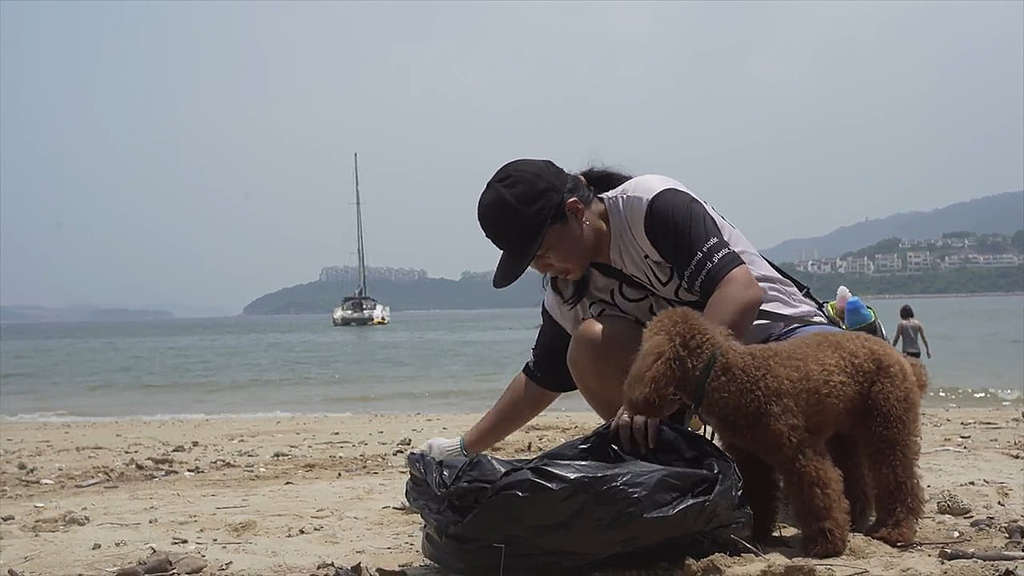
x=909, y=329
x=615, y=250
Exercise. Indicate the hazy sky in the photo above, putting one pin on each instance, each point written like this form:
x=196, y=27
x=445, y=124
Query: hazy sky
x=193, y=156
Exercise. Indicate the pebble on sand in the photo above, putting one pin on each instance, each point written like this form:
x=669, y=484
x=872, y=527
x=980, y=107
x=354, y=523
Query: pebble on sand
x=952, y=504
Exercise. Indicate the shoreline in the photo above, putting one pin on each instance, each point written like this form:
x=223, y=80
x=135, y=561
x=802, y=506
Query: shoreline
x=283, y=494
x=935, y=398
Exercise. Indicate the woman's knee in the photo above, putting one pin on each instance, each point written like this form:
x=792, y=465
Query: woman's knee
x=603, y=346
x=586, y=337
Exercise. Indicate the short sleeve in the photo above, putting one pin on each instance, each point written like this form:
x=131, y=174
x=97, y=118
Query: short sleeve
x=548, y=367
x=687, y=236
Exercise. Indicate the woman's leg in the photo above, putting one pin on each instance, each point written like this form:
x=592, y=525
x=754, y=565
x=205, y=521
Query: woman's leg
x=599, y=357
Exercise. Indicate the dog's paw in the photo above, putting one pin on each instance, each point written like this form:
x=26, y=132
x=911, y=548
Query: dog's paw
x=893, y=536
x=824, y=543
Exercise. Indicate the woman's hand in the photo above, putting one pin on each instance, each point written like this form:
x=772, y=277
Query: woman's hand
x=635, y=428
x=443, y=448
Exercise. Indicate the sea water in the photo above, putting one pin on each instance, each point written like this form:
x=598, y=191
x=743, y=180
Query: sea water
x=424, y=361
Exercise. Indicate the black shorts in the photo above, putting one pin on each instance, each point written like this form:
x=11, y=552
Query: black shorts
x=912, y=354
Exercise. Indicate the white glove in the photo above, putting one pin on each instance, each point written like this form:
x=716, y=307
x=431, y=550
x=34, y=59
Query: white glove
x=444, y=448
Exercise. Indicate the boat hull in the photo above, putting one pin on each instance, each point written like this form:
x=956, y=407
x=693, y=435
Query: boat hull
x=361, y=311
x=356, y=322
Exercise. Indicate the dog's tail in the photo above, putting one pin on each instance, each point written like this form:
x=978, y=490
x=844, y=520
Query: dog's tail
x=920, y=374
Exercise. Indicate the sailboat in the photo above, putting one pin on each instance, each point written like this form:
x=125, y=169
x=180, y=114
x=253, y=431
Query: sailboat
x=360, y=309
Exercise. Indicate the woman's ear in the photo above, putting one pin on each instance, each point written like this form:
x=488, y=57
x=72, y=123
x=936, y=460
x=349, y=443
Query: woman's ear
x=575, y=209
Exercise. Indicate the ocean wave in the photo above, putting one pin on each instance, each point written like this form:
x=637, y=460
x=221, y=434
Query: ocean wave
x=447, y=401
x=61, y=416
x=413, y=396
x=961, y=396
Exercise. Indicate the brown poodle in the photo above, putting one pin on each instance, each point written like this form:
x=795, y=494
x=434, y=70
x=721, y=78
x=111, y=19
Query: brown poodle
x=816, y=410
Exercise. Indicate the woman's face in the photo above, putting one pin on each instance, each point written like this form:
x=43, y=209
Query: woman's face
x=565, y=252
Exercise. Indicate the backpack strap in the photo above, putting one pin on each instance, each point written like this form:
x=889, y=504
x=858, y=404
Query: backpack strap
x=804, y=290
x=770, y=316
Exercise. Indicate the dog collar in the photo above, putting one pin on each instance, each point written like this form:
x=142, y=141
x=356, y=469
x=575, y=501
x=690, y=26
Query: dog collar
x=702, y=385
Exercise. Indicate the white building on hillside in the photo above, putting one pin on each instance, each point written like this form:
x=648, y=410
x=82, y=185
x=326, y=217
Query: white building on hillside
x=992, y=260
x=862, y=265
x=825, y=266
x=919, y=261
x=953, y=261
x=886, y=263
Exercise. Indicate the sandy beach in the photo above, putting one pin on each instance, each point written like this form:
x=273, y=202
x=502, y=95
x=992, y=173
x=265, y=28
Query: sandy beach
x=290, y=495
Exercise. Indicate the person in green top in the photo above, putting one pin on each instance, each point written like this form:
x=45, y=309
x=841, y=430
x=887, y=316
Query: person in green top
x=909, y=329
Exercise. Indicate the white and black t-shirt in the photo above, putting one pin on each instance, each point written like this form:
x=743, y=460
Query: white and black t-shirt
x=668, y=248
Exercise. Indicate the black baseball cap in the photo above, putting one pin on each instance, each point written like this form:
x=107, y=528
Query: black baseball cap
x=515, y=209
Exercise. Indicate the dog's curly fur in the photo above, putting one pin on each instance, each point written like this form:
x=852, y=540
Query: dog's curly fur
x=835, y=414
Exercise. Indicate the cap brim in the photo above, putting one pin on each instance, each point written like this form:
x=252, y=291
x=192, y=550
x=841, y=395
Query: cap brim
x=512, y=265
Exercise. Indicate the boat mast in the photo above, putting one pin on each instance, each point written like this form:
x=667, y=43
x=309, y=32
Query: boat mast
x=359, y=231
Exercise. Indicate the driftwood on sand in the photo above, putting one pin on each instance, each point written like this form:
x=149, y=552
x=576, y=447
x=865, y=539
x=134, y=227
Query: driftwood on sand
x=989, y=556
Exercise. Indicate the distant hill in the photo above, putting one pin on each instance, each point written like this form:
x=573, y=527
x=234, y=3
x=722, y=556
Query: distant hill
x=44, y=314
x=413, y=289
x=999, y=213
x=472, y=291
x=959, y=281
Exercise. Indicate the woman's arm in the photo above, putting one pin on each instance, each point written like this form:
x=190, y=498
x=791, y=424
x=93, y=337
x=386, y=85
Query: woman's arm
x=735, y=301
x=896, y=338
x=520, y=403
x=927, y=348
x=541, y=380
x=686, y=235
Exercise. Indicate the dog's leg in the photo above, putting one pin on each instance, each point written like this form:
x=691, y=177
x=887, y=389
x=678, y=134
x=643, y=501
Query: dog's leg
x=761, y=488
x=893, y=436
x=847, y=456
x=815, y=489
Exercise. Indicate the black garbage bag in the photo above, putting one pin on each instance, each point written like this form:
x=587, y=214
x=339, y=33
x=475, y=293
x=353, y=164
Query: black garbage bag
x=582, y=505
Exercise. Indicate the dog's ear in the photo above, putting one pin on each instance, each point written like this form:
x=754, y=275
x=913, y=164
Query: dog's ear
x=663, y=372
x=654, y=384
